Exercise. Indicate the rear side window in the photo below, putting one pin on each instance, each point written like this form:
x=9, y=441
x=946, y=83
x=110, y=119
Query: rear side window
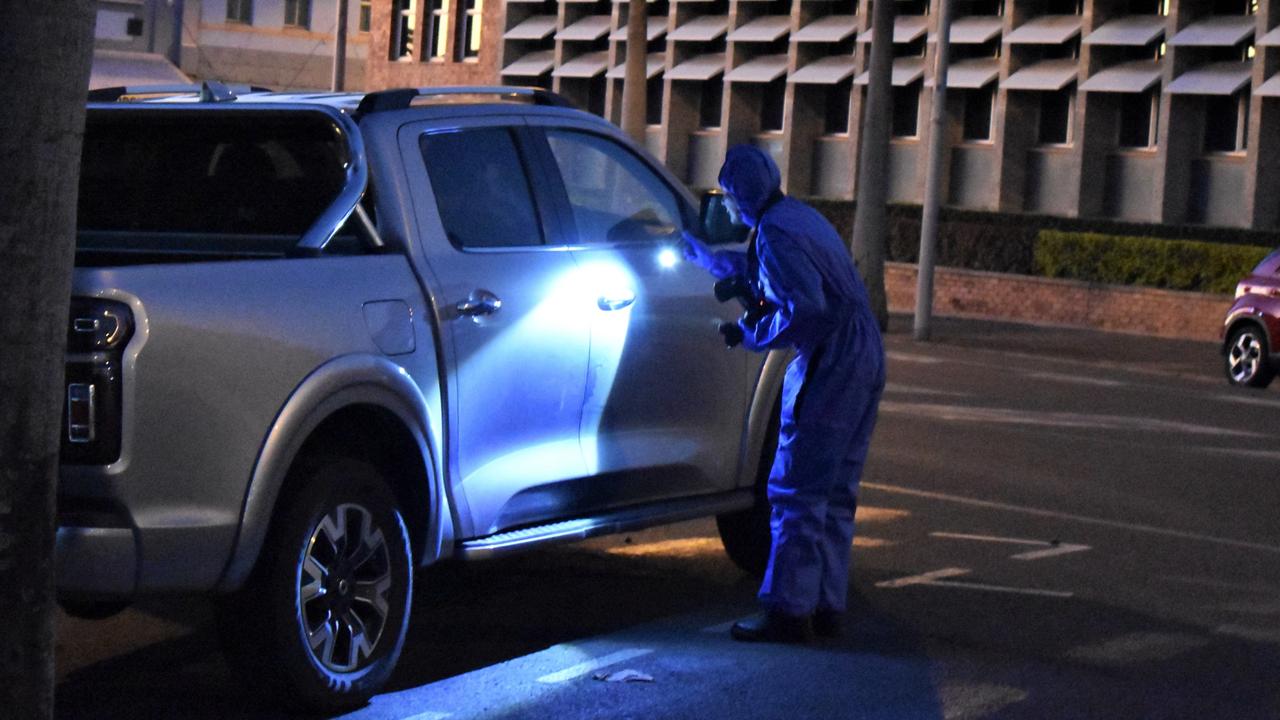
x=481, y=188
x=227, y=173
x=614, y=196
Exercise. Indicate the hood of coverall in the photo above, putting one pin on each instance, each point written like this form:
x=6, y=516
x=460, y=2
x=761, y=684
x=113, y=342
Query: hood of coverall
x=752, y=178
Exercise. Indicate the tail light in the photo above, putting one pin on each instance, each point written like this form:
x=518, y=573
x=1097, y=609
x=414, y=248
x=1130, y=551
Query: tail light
x=97, y=334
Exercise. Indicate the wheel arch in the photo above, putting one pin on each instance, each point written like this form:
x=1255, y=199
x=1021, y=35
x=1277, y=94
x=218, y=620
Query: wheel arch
x=363, y=404
x=1246, y=316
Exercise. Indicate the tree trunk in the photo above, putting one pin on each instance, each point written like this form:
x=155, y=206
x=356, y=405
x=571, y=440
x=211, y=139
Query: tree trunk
x=634, y=82
x=44, y=73
x=871, y=219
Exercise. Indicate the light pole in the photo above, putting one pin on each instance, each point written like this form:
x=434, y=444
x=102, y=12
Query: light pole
x=933, y=177
x=340, y=49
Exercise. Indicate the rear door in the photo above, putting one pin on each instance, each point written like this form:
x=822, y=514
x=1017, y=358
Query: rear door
x=665, y=401
x=516, y=346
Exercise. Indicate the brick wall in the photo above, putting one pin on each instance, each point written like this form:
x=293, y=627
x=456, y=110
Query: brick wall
x=1023, y=298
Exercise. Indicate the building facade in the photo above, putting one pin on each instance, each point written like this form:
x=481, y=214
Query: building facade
x=1162, y=111
x=281, y=44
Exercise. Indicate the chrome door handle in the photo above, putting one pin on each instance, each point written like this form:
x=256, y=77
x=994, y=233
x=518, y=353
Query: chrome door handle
x=481, y=302
x=615, y=302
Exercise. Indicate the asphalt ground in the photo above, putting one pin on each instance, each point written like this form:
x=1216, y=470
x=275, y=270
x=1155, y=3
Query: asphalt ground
x=1054, y=523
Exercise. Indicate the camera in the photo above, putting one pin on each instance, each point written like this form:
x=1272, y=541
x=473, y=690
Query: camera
x=746, y=292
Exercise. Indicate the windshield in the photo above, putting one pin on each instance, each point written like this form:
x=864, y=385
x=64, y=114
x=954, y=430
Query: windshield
x=193, y=178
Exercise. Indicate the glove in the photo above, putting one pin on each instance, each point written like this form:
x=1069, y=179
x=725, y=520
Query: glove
x=696, y=251
x=732, y=334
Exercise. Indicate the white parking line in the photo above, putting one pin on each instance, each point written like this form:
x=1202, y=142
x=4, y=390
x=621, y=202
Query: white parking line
x=1256, y=634
x=429, y=715
x=917, y=390
x=1077, y=379
x=1000, y=588
x=583, y=668
x=1051, y=549
x=1132, y=527
x=909, y=357
x=1246, y=400
x=922, y=579
x=935, y=578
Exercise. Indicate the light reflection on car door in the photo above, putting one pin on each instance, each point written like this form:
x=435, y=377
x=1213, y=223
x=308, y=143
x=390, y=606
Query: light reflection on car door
x=516, y=338
x=664, y=397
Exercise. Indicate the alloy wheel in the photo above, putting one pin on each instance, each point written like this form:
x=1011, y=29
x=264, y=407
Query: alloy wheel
x=1244, y=358
x=343, y=588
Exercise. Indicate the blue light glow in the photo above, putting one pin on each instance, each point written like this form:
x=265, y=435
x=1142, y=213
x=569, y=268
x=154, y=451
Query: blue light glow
x=667, y=258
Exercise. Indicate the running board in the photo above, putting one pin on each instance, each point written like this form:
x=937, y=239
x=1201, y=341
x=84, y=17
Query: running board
x=624, y=520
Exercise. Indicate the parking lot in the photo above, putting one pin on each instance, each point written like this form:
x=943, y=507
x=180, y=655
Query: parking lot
x=1053, y=523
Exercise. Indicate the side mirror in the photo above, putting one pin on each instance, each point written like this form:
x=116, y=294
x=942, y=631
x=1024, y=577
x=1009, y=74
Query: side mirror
x=717, y=227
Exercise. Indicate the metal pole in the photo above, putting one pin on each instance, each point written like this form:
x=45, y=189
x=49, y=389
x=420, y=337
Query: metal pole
x=340, y=48
x=175, y=42
x=933, y=176
x=634, y=81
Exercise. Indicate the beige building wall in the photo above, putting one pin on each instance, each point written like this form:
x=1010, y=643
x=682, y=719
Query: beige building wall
x=272, y=43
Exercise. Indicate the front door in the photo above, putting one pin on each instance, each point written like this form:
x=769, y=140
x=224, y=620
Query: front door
x=516, y=346
x=665, y=400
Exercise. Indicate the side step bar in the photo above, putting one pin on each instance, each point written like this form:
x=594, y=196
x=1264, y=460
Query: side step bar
x=627, y=519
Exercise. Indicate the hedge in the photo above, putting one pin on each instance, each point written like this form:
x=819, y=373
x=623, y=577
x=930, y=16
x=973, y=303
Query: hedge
x=1150, y=262
x=1182, y=257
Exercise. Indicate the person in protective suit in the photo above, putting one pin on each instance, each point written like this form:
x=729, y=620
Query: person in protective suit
x=810, y=298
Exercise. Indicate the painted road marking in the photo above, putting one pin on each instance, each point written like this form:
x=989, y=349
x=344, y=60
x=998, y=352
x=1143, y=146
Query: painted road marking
x=970, y=702
x=1078, y=379
x=923, y=579
x=583, y=668
x=1256, y=634
x=1000, y=588
x=936, y=579
x=1040, y=418
x=916, y=390
x=1132, y=527
x=429, y=715
x=1246, y=400
x=1242, y=452
x=1138, y=648
x=909, y=357
x=866, y=514
x=1051, y=549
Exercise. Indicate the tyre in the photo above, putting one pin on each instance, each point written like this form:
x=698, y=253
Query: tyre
x=320, y=624
x=746, y=534
x=1246, y=362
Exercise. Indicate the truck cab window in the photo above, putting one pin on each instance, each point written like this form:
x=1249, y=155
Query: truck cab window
x=481, y=188
x=613, y=195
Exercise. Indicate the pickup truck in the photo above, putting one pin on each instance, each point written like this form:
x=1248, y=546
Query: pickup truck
x=318, y=341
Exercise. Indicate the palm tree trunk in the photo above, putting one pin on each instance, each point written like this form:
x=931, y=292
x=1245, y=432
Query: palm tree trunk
x=44, y=73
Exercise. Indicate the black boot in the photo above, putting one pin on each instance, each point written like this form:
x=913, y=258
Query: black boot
x=773, y=626
x=828, y=623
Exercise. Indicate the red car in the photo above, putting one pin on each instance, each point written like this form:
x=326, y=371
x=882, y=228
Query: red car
x=1252, y=327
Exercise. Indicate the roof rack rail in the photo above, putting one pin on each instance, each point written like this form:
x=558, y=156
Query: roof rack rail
x=209, y=91
x=401, y=98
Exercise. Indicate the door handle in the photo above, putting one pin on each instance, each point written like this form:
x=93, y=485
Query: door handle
x=481, y=302
x=615, y=302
